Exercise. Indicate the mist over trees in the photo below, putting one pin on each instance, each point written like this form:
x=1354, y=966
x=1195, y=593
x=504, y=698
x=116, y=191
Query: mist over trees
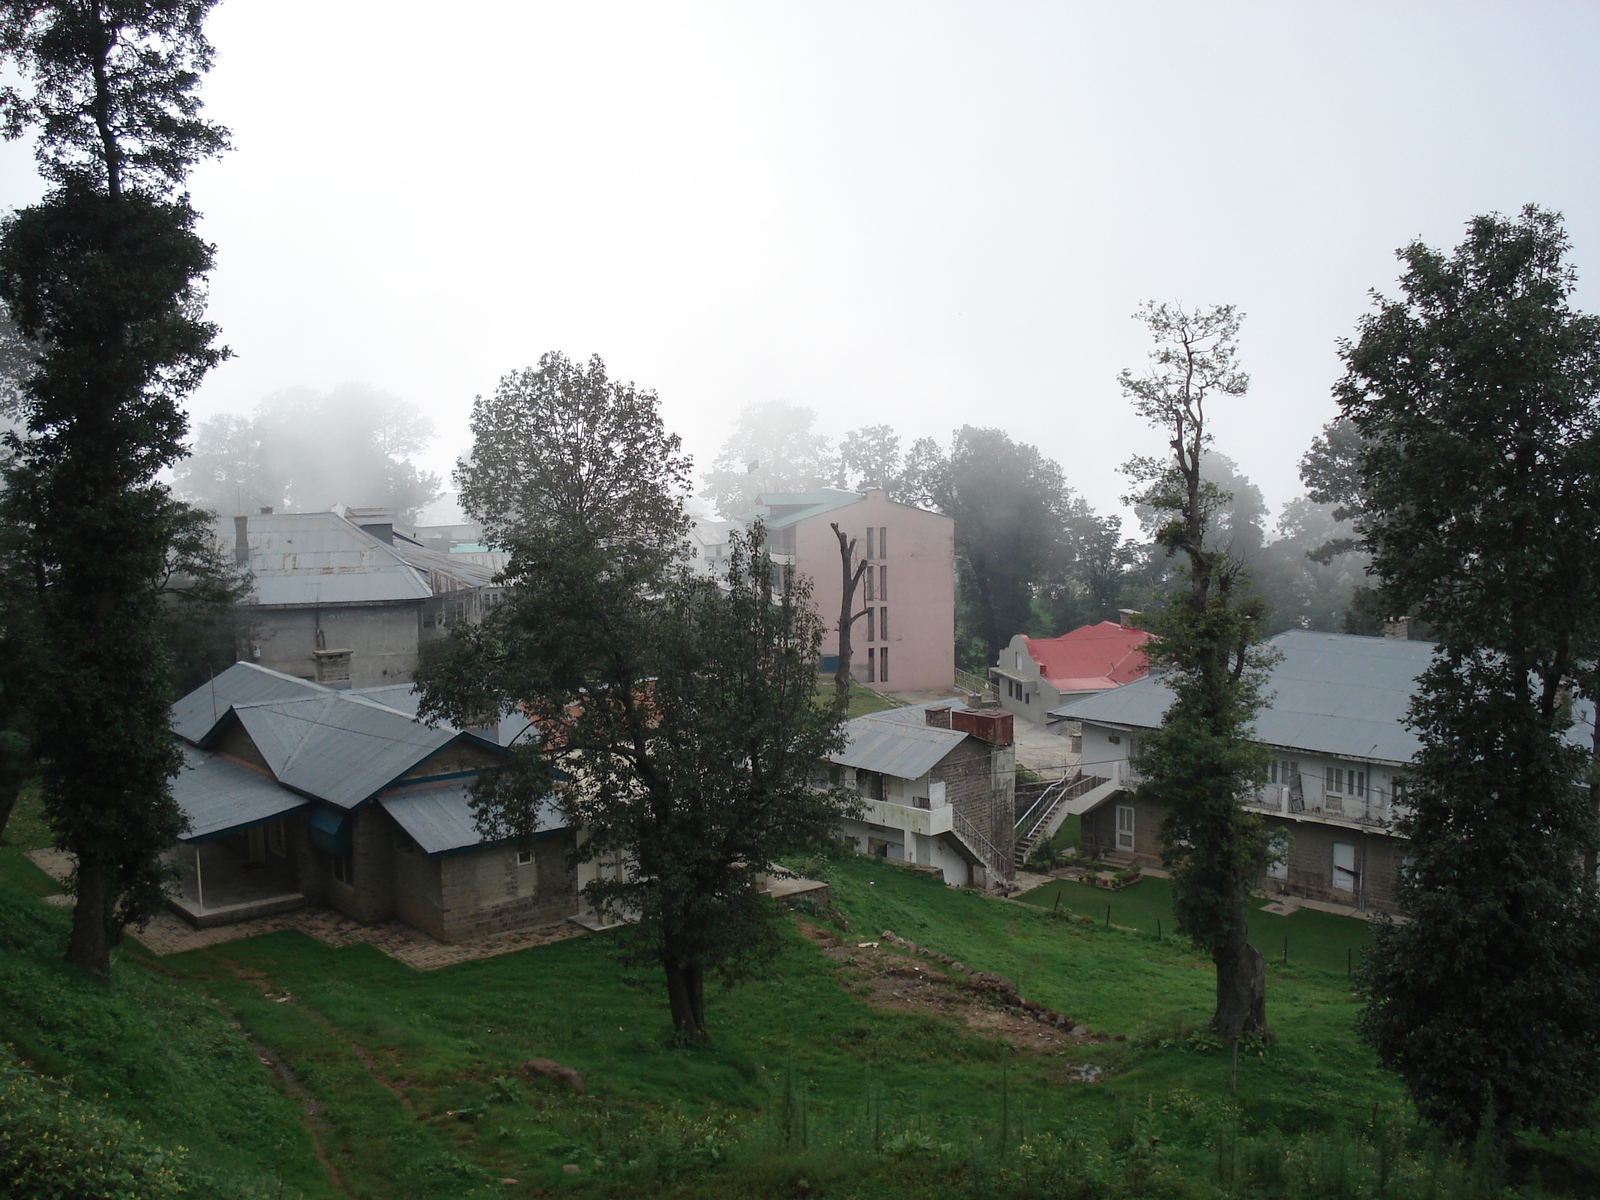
x=305, y=451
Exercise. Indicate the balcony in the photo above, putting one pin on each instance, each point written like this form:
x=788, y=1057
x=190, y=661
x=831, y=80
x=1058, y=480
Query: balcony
x=1305, y=799
x=914, y=817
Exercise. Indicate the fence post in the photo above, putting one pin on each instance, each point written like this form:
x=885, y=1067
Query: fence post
x=1108, y=916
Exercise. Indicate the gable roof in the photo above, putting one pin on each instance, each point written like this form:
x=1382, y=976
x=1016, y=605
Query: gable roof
x=898, y=742
x=1328, y=693
x=221, y=796
x=197, y=714
x=321, y=558
x=1092, y=658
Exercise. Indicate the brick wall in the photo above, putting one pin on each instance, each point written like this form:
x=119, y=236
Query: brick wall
x=487, y=891
x=1099, y=829
x=980, y=783
x=370, y=898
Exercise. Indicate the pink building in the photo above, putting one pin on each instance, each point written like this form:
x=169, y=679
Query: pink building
x=906, y=640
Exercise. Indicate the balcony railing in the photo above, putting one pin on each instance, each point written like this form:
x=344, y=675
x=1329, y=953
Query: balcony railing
x=1304, y=797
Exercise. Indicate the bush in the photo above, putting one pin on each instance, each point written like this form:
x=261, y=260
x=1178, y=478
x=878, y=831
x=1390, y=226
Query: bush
x=53, y=1146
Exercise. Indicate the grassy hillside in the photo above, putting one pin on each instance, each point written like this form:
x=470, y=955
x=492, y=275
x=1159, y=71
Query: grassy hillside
x=831, y=1075
x=142, y=1051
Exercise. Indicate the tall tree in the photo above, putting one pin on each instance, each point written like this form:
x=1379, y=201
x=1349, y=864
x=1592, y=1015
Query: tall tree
x=1201, y=764
x=680, y=710
x=562, y=448
x=1010, y=505
x=105, y=276
x=1308, y=575
x=773, y=448
x=305, y=451
x=1478, y=398
x=870, y=457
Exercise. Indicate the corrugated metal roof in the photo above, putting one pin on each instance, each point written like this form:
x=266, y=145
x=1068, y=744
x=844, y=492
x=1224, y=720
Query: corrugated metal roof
x=1329, y=693
x=195, y=715
x=403, y=697
x=321, y=558
x=916, y=714
x=440, y=819
x=895, y=747
x=339, y=748
x=219, y=796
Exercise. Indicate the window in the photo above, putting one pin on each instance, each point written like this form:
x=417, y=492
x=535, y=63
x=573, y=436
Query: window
x=1334, y=780
x=344, y=869
x=276, y=841
x=872, y=666
x=883, y=541
x=1346, y=781
x=870, y=638
x=867, y=579
x=1283, y=770
x=870, y=554
x=883, y=584
x=883, y=665
x=870, y=784
x=525, y=857
x=883, y=623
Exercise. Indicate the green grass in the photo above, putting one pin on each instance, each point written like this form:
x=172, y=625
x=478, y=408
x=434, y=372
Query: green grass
x=25, y=831
x=863, y=700
x=805, y=1090
x=1324, y=940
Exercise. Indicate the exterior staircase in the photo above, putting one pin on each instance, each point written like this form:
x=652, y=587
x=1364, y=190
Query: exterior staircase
x=1047, y=807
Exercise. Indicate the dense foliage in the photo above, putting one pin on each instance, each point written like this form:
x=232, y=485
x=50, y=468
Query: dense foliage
x=1478, y=399
x=678, y=712
x=104, y=280
x=1201, y=763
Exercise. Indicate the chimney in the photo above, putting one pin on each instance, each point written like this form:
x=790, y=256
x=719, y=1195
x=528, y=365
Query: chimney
x=1398, y=627
x=993, y=727
x=938, y=716
x=241, y=541
x=1128, y=618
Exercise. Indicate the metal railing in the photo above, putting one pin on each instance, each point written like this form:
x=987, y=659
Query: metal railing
x=969, y=833
x=968, y=682
x=1037, y=818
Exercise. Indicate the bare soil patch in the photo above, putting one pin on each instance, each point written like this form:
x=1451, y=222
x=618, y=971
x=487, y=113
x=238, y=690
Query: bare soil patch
x=890, y=973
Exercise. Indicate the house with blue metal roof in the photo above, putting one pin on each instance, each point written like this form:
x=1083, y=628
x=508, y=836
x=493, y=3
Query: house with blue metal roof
x=300, y=794
x=936, y=784
x=1335, y=724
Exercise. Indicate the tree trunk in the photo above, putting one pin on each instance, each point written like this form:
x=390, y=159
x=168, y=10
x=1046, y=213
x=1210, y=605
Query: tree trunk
x=90, y=944
x=847, y=601
x=8, y=802
x=1241, y=986
x=686, y=995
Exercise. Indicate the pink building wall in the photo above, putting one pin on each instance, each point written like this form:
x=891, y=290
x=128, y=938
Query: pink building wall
x=921, y=602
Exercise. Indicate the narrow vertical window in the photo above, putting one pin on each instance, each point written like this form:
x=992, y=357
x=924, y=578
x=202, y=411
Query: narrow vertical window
x=866, y=577
x=883, y=584
x=883, y=665
x=883, y=541
x=870, y=554
x=883, y=623
x=870, y=638
x=872, y=666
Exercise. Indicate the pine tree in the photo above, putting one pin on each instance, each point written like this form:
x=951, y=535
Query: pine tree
x=104, y=278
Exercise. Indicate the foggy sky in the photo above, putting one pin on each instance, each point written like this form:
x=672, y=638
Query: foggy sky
x=912, y=213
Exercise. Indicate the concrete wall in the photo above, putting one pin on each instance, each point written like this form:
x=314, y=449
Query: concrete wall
x=383, y=639
x=921, y=601
x=911, y=847
x=1037, y=696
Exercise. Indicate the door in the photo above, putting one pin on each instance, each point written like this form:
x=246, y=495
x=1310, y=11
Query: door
x=1124, y=827
x=1344, y=867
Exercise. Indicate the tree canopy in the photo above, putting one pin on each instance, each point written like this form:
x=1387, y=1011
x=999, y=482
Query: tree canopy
x=680, y=711
x=1476, y=397
x=305, y=451
x=104, y=282
x=773, y=448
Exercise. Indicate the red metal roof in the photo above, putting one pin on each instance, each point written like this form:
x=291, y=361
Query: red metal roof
x=1092, y=658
